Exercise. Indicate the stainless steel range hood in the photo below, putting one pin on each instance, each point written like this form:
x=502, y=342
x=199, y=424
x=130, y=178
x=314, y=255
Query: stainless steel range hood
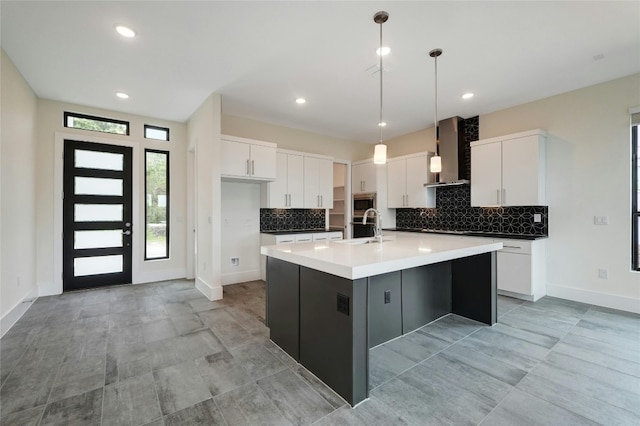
x=453, y=152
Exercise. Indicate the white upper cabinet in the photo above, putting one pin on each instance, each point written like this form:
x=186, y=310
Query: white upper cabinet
x=363, y=177
x=318, y=183
x=509, y=171
x=406, y=177
x=288, y=188
x=247, y=159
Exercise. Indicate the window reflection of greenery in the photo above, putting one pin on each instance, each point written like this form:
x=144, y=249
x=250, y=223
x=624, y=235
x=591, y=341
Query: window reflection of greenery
x=156, y=171
x=98, y=126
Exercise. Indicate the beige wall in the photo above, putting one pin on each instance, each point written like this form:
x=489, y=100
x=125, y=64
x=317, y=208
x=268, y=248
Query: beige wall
x=588, y=174
x=17, y=191
x=203, y=130
x=294, y=139
x=422, y=140
x=50, y=143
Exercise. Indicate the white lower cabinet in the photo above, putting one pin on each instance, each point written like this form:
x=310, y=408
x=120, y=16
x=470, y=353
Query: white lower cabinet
x=270, y=239
x=522, y=268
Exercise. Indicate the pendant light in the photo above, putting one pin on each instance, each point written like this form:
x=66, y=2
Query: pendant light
x=380, y=152
x=435, y=166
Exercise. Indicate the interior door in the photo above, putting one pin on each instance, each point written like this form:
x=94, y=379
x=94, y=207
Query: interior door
x=97, y=226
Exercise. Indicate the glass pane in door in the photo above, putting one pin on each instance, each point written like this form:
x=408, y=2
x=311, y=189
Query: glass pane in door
x=98, y=212
x=97, y=186
x=98, y=160
x=97, y=265
x=97, y=239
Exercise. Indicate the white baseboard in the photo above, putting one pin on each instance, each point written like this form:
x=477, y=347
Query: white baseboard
x=15, y=313
x=161, y=275
x=613, y=301
x=240, y=277
x=49, y=289
x=209, y=291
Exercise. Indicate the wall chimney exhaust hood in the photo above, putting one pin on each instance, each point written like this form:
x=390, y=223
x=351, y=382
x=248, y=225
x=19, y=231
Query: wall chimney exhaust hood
x=452, y=150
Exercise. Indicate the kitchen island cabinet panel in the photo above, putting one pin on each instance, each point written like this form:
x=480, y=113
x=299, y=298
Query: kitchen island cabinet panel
x=331, y=344
x=385, y=308
x=283, y=310
x=473, y=297
x=426, y=295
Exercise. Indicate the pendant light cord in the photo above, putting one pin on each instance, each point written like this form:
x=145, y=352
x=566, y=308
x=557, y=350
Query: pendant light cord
x=380, y=121
x=435, y=122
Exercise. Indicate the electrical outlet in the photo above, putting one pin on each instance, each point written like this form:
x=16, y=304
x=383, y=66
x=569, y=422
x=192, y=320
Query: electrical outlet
x=537, y=218
x=387, y=296
x=603, y=273
x=235, y=261
x=601, y=220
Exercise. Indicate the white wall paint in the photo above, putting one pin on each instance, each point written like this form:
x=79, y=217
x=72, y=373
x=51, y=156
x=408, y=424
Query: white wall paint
x=588, y=174
x=240, y=231
x=203, y=129
x=50, y=136
x=17, y=193
x=295, y=139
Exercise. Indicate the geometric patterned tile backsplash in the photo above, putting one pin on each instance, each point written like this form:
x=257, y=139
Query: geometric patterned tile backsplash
x=454, y=212
x=291, y=219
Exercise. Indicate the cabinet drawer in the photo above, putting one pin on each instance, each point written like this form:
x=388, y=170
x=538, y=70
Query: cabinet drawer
x=515, y=246
x=285, y=239
x=304, y=238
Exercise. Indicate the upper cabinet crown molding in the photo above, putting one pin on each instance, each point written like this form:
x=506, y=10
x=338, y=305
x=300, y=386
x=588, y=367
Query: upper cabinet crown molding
x=509, y=170
x=247, y=159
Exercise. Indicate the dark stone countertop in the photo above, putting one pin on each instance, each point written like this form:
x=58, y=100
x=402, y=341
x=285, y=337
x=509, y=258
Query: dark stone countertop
x=471, y=233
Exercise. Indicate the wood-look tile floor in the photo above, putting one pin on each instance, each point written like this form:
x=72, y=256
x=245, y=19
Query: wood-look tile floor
x=162, y=354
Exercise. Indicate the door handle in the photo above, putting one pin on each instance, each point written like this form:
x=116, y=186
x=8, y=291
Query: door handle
x=504, y=196
x=253, y=167
x=127, y=232
x=321, y=201
x=247, y=166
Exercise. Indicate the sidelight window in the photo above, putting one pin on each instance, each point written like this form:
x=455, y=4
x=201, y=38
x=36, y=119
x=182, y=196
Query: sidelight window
x=156, y=204
x=635, y=192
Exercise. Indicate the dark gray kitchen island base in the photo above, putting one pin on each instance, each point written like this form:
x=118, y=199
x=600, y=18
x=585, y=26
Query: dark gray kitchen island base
x=328, y=323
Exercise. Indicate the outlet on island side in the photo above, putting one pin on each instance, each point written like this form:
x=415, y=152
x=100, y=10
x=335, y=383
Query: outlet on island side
x=603, y=273
x=235, y=261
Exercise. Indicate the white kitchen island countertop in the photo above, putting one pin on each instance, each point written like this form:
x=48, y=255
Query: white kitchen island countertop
x=348, y=259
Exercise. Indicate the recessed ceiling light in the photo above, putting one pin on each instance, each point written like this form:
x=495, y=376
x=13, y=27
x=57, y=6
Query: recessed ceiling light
x=125, y=31
x=382, y=124
x=301, y=101
x=122, y=95
x=467, y=95
x=385, y=50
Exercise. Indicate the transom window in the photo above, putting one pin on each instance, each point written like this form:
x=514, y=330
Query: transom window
x=156, y=132
x=96, y=124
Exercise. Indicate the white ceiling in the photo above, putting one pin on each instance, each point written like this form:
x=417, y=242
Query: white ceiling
x=261, y=55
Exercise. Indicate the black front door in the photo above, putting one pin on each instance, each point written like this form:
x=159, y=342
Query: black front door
x=97, y=224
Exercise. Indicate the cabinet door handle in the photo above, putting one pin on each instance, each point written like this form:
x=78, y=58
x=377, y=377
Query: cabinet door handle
x=247, y=166
x=253, y=167
x=513, y=247
x=504, y=196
